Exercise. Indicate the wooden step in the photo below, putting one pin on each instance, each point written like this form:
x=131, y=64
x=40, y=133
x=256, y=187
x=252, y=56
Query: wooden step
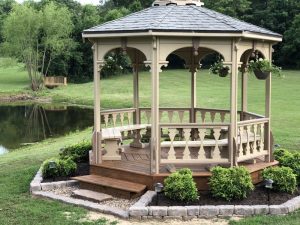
x=115, y=187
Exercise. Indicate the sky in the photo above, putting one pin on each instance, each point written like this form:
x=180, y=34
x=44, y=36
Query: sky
x=94, y=2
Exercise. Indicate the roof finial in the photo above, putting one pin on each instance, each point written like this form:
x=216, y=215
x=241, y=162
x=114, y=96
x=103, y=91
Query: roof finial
x=177, y=2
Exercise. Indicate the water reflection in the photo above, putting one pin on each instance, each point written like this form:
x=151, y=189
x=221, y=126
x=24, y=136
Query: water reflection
x=27, y=124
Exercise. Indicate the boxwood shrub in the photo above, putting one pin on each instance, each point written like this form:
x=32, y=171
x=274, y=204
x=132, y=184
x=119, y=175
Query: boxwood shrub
x=78, y=152
x=180, y=186
x=55, y=167
x=289, y=159
x=230, y=183
x=283, y=177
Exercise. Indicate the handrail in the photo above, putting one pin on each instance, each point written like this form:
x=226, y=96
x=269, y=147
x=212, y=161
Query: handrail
x=117, y=110
x=194, y=125
x=253, y=121
x=254, y=114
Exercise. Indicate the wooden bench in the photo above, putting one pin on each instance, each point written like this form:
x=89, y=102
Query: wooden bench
x=51, y=82
x=112, y=138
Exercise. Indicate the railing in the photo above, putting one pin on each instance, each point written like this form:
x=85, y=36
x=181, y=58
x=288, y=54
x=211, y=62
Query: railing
x=55, y=81
x=212, y=115
x=117, y=117
x=193, y=143
x=251, y=139
x=167, y=115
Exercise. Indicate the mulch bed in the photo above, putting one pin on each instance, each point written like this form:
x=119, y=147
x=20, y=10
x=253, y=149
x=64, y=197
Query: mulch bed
x=82, y=169
x=258, y=197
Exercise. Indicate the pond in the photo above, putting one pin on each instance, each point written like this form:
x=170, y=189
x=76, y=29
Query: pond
x=26, y=124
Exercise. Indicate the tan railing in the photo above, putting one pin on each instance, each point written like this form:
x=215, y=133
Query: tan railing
x=251, y=139
x=167, y=115
x=193, y=143
x=250, y=116
x=117, y=117
x=212, y=115
x=55, y=81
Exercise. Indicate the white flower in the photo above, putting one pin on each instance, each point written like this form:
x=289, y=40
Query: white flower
x=121, y=67
x=260, y=59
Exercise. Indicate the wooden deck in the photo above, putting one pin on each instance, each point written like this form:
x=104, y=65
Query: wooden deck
x=135, y=167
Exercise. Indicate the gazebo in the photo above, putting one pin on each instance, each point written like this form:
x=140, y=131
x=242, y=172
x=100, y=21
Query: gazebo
x=191, y=137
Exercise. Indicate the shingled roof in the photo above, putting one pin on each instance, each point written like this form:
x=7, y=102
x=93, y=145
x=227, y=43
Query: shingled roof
x=174, y=18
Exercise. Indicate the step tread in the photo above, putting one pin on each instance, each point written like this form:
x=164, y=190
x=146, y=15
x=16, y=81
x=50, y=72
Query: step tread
x=91, y=195
x=111, y=182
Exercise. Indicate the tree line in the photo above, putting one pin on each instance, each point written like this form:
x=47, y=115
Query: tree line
x=62, y=51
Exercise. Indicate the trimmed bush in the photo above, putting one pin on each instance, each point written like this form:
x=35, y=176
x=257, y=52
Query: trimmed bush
x=289, y=159
x=78, y=152
x=230, y=183
x=283, y=177
x=55, y=167
x=180, y=186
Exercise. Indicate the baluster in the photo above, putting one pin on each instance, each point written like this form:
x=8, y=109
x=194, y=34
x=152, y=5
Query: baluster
x=248, y=152
x=201, y=154
x=148, y=116
x=106, y=120
x=212, y=116
x=181, y=115
x=129, y=117
x=262, y=136
x=160, y=115
x=114, y=117
x=255, y=150
x=203, y=116
x=186, y=152
x=222, y=116
x=172, y=153
x=217, y=153
x=122, y=118
x=170, y=116
x=241, y=149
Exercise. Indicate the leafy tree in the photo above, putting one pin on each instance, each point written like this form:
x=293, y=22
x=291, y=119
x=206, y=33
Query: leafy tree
x=5, y=8
x=32, y=36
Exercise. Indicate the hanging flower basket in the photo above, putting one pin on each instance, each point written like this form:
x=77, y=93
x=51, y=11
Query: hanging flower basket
x=224, y=72
x=262, y=68
x=261, y=75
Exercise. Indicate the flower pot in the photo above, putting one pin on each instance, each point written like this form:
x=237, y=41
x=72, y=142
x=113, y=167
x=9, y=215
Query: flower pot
x=261, y=75
x=223, y=72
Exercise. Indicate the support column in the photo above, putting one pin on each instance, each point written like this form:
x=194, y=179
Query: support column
x=155, y=131
x=193, y=71
x=233, y=104
x=136, y=101
x=244, y=94
x=96, y=156
x=268, y=110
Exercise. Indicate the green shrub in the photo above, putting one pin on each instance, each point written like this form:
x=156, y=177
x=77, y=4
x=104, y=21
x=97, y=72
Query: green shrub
x=230, y=183
x=78, y=152
x=55, y=167
x=180, y=186
x=283, y=177
x=289, y=159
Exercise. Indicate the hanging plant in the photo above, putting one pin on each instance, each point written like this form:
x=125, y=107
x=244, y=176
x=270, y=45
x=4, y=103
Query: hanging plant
x=262, y=68
x=218, y=68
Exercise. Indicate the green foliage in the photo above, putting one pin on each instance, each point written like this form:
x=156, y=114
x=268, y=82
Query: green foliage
x=180, y=186
x=289, y=159
x=263, y=65
x=218, y=68
x=283, y=177
x=230, y=183
x=56, y=167
x=77, y=152
x=36, y=37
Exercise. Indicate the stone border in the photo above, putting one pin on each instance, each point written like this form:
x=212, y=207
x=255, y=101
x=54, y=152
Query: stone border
x=141, y=210
x=39, y=189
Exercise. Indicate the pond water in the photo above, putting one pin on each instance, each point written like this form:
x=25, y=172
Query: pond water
x=26, y=124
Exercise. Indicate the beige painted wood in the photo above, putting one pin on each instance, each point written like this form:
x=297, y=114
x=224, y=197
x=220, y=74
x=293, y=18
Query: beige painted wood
x=268, y=110
x=233, y=100
x=193, y=70
x=97, y=118
x=136, y=102
x=244, y=92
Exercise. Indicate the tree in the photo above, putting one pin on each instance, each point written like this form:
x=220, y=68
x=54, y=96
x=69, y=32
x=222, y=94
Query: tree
x=36, y=37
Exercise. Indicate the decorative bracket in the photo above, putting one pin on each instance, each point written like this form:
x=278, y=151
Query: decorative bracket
x=124, y=45
x=196, y=44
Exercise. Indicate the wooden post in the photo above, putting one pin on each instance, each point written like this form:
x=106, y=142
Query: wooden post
x=96, y=156
x=193, y=71
x=244, y=94
x=233, y=103
x=268, y=111
x=136, y=103
x=155, y=132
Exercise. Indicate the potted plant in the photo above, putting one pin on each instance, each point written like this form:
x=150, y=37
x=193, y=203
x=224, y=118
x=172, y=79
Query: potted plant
x=262, y=68
x=218, y=68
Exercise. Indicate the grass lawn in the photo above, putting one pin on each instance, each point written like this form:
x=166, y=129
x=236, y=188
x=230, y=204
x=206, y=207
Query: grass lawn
x=17, y=168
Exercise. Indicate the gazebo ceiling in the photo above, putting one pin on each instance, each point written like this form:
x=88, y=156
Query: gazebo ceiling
x=186, y=16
